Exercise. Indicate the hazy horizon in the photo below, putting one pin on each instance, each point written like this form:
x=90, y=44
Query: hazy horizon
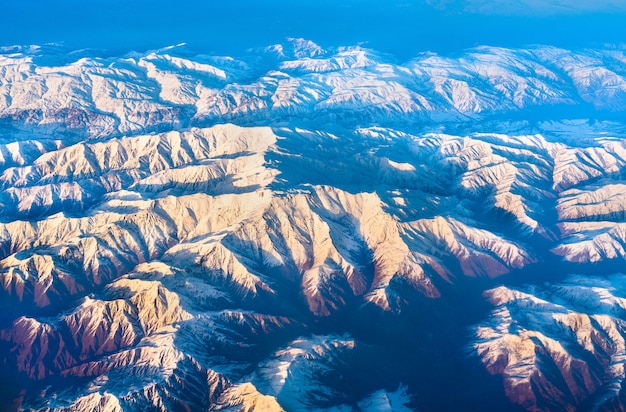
x=402, y=28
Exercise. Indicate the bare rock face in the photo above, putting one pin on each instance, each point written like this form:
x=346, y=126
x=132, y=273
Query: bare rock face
x=95, y=328
x=556, y=346
x=312, y=229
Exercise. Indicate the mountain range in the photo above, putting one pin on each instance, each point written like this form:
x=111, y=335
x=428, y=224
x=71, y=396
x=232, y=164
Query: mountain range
x=301, y=228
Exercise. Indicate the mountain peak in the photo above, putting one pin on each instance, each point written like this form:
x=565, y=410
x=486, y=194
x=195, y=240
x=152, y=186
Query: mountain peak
x=296, y=48
x=183, y=231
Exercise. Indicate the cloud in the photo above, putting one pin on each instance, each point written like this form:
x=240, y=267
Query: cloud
x=530, y=7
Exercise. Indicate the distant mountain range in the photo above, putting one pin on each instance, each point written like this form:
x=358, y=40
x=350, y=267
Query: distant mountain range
x=308, y=229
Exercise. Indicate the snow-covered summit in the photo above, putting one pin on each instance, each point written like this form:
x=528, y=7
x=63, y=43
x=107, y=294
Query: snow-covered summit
x=162, y=89
x=311, y=229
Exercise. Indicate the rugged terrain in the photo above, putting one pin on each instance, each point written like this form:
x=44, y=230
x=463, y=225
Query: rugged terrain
x=309, y=229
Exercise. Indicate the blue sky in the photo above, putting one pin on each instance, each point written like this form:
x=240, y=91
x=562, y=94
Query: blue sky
x=401, y=27
x=531, y=7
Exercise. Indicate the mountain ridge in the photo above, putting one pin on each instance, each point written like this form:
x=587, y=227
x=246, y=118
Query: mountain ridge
x=202, y=232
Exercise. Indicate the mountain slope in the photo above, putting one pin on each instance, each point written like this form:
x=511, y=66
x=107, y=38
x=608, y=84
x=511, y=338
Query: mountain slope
x=302, y=228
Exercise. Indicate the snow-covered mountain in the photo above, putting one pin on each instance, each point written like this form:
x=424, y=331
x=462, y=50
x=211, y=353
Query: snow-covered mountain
x=169, y=88
x=560, y=345
x=309, y=229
